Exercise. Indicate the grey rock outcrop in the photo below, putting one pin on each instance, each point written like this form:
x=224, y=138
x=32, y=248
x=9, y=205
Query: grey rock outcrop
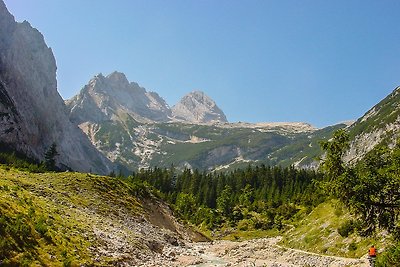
x=380, y=124
x=107, y=98
x=32, y=113
x=197, y=107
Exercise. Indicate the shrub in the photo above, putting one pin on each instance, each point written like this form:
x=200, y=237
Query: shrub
x=352, y=246
x=346, y=228
x=245, y=225
x=389, y=258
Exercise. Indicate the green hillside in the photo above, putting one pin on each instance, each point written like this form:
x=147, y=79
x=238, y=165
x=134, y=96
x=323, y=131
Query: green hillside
x=384, y=113
x=43, y=218
x=74, y=219
x=205, y=147
x=330, y=230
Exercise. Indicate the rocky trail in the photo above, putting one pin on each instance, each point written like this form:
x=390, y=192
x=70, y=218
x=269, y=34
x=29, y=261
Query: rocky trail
x=257, y=252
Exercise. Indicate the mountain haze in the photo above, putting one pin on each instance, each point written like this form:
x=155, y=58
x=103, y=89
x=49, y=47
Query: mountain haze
x=110, y=97
x=50, y=218
x=137, y=129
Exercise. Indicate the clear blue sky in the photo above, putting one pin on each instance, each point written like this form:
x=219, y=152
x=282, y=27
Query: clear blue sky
x=321, y=61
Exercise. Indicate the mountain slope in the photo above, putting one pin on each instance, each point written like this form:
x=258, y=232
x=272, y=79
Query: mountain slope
x=136, y=129
x=206, y=147
x=72, y=219
x=380, y=124
x=106, y=98
x=198, y=136
x=32, y=113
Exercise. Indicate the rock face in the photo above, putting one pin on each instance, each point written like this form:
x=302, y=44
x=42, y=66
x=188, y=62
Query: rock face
x=380, y=124
x=107, y=98
x=197, y=107
x=32, y=113
x=113, y=96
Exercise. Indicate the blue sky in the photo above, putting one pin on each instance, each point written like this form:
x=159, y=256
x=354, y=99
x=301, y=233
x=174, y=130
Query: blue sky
x=313, y=61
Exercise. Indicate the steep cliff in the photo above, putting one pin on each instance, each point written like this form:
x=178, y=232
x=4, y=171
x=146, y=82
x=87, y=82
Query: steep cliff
x=32, y=113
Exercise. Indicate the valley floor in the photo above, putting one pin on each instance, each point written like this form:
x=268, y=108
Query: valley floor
x=256, y=252
x=72, y=219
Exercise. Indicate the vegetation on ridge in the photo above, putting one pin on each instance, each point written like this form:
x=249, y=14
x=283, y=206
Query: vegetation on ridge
x=204, y=147
x=384, y=113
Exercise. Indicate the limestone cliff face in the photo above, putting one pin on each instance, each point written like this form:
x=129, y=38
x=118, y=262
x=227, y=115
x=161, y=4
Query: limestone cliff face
x=197, y=107
x=110, y=97
x=32, y=112
x=380, y=124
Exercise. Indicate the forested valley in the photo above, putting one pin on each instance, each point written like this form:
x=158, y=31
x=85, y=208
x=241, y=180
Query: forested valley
x=268, y=198
x=260, y=197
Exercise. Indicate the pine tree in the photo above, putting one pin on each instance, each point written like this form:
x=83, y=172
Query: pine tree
x=50, y=158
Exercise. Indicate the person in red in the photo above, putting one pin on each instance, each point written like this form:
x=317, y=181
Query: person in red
x=372, y=255
x=372, y=252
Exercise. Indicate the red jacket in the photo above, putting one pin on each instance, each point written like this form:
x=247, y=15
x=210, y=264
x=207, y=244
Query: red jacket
x=372, y=252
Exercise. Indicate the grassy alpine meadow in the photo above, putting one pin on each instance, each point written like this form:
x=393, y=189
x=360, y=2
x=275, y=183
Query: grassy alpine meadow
x=330, y=229
x=47, y=219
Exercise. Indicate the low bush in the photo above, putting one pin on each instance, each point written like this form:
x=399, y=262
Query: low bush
x=346, y=228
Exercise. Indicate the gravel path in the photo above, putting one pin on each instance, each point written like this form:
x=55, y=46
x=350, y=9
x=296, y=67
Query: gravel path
x=258, y=252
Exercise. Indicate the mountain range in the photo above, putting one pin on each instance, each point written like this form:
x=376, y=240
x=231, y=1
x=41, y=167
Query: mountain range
x=117, y=124
x=112, y=97
x=137, y=129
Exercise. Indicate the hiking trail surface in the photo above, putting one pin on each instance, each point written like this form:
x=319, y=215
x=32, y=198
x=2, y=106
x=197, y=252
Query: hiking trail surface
x=256, y=252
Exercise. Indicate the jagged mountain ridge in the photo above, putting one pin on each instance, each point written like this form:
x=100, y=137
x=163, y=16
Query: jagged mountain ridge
x=32, y=113
x=110, y=97
x=106, y=98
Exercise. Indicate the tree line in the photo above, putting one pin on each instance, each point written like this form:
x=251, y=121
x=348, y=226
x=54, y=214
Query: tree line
x=257, y=197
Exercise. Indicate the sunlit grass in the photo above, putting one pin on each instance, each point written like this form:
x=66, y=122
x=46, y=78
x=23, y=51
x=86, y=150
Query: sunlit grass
x=47, y=219
x=318, y=232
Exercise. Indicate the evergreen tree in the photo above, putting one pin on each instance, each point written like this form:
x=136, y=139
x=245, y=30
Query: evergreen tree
x=50, y=158
x=254, y=194
x=370, y=189
x=224, y=201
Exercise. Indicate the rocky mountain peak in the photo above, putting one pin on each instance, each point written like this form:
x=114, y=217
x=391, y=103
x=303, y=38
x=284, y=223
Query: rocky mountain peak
x=118, y=78
x=5, y=17
x=107, y=98
x=197, y=107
